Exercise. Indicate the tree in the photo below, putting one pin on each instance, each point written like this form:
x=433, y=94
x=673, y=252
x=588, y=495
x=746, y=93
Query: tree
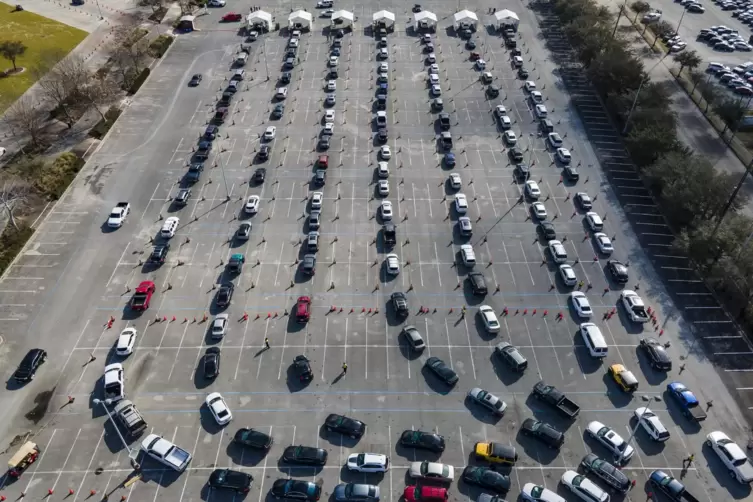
x=13, y=197
x=11, y=49
x=696, y=77
x=615, y=71
x=710, y=93
x=647, y=143
x=640, y=7
x=185, y=7
x=27, y=116
x=731, y=111
x=61, y=80
x=99, y=92
x=691, y=59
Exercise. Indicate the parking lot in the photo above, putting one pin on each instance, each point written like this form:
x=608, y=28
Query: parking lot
x=75, y=275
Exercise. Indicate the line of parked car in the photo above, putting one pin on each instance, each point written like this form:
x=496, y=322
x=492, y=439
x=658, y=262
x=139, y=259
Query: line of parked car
x=738, y=79
x=724, y=39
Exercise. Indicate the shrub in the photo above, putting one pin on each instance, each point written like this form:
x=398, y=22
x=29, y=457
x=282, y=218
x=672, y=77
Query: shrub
x=11, y=243
x=159, y=46
x=55, y=177
x=137, y=83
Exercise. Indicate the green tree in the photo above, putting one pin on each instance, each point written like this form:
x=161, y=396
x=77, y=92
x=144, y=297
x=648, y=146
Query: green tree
x=696, y=77
x=731, y=111
x=710, y=93
x=640, y=7
x=615, y=71
x=11, y=49
x=647, y=143
x=691, y=59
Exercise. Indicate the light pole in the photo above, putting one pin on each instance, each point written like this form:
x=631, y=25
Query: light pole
x=638, y=92
x=132, y=452
x=619, y=459
x=100, y=10
x=619, y=15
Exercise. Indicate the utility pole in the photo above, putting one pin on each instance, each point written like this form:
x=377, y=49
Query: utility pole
x=619, y=15
x=132, y=452
x=638, y=92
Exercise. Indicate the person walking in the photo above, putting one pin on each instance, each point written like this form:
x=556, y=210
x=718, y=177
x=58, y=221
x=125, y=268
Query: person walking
x=266, y=343
x=345, y=368
x=688, y=462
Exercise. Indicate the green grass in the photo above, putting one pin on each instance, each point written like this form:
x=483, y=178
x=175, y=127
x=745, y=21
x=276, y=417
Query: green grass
x=40, y=35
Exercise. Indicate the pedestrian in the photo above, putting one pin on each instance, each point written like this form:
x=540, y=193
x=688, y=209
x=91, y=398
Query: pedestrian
x=266, y=343
x=688, y=461
x=462, y=313
x=345, y=368
x=580, y=284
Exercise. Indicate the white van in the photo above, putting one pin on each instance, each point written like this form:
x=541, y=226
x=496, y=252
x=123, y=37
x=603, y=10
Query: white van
x=594, y=340
x=240, y=59
x=594, y=221
x=169, y=227
x=558, y=252
x=467, y=255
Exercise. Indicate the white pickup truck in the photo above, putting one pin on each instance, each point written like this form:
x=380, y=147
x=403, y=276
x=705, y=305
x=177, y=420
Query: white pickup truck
x=164, y=451
x=118, y=215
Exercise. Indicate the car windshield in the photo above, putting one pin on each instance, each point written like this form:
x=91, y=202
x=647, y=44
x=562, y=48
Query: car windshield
x=361, y=459
x=537, y=491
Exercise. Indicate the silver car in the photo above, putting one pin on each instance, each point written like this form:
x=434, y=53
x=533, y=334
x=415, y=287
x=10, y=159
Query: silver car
x=219, y=325
x=488, y=401
x=356, y=492
x=432, y=471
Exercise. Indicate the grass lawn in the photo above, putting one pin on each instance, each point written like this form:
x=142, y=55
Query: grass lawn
x=39, y=35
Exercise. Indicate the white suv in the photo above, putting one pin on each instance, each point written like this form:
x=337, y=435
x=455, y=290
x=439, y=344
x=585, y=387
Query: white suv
x=368, y=462
x=731, y=455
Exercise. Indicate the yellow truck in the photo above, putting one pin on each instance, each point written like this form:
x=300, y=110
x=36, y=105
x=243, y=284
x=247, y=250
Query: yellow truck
x=497, y=453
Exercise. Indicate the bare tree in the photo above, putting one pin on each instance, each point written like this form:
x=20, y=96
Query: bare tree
x=27, y=116
x=130, y=52
x=156, y=5
x=13, y=197
x=61, y=80
x=185, y=7
x=99, y=93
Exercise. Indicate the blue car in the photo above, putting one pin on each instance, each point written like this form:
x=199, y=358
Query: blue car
x=449, y=160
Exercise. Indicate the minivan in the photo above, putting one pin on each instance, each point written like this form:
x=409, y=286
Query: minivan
x=169, y=227
x=594, y=340
x=558, y=252
x=467, y=255
x=594, y=221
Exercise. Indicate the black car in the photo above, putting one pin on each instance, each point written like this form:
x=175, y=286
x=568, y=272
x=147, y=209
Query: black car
x=492, y=91
x=511, y=356
x=290, y=53
x=260, y=175
x=228, y=479
x=307, y=455
x=29, y=365
x=515, y=154
x=263, y=153
x=302, y=367
x=295, y=489
x=423, y=441
x=212, y=362
x=618, y=271
x=285, y=77
x=486, y=478
x=547, y=230
x=441, y=370
x=320, y=177
x=159, y=254
x=400, y=304
x=470, y=45
x=478, y=283
x=225, y=100
x=584, y=204
x=542, y=431
x=344, y=425
x=194, y=172
x=253, y=439
x=382, y=135
x=211, y=131
x=182, y=198
x=381, y=102
x=195, y=80
x=355, y=492
x=308, y=264
x=444, y=121
x=278, y=111
x=225, y=294
x=571, y=173
x=323, y=144
x=417, y=7
x=605, y=471
x=657, y=355
x=522, y=73
x=522, y=172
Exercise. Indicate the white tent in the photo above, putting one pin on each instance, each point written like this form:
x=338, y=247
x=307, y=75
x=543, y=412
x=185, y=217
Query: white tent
x=507, y=17
x=466, y=18
x=384, y=17
x=260, y=18
x=342, y=19
x=300, y=20
x=425, y=20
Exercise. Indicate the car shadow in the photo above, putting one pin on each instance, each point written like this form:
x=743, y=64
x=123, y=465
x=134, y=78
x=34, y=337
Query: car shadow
x=536, y=450
x=480, y=413
x=587, y=363
x=653, y=377
x=245, y=456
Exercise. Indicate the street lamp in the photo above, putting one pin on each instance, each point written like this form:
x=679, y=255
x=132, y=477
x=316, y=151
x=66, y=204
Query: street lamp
x=638, y=92
x=619, y=459
x=132, y=452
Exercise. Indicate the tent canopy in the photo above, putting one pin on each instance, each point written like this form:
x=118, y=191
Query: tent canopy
x=260, y=16
x=343, y=14
x=466, y=16
x=300, y=17
x=384, y=16
x=505, y=15
x=426, y=17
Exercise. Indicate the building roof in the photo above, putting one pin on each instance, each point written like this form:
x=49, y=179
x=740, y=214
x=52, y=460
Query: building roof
x=384, y=15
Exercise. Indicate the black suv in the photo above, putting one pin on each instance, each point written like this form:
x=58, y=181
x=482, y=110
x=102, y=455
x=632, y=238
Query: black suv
x=423, y=440
x=285, y=78
x=29, y=365
x=228, y=479
x=400, y=304
x=305, y=374
x=263, y=153
x=194, y=172
x=159, y=254
x=542, y=431
x=522, y=172
x=618, y=271
x=478, y=283
x=657, y=354
x=212, y=362
x=182, y=198
x=320, y=177
x=307, y=455
x=278, y=111
x=253, y=439
x=547, y=230
x=259, y=175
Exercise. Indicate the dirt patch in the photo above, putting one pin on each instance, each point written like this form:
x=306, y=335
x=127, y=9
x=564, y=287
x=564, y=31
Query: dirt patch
x=12, y=71
x=19, y=439
x=41, y=403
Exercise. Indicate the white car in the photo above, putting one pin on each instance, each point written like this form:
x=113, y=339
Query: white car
x=537, y=493
x=383, y=170
x=731, y=455
x=316, y=200
x=216, y=3
x=554, y=139
x=488, y=401
x=500, y=111
x=540, y=111
x=610, y=440
x=293, y=43
x=217, y=405
x=584, y=488
x=481, y=64
x=505, y=122
x=433, y=68
x=252, y=204
x=432, y=58
x=567, y=274
x=604, y=243
x=385, y=152
x=433, y=79
x=329, y=129
x=634, y=306
x=383, y=187
x=433, y=471
x=564, y=156
x=584, y=200
x=368, y=462
x=118, y=215
x=331, y=85
x=581, y=305
x=651, y=424
x=510, y=138
x=328, y=13
x=536, y=97
x=455, y=181
x=517, y=61
x=539, y=210
x=386, y=210
x=393, y=264
x=532, y=189
x=530, y=85
x=489, y=318
x=436, y=90
x=334, y=61
x=114, y=382
x=329, y=116
x=126, y=340
x=219, y=325
x=461, y=204
x=384, y=67
x=270, y=133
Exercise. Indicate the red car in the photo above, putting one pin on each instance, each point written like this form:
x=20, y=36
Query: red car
x=303, y=309
x=323, y=161
x=231, y=17
x=425, y=494
x=143, y=296
x=475, y=56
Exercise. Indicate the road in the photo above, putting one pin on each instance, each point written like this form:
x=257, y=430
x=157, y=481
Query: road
x=75, y=274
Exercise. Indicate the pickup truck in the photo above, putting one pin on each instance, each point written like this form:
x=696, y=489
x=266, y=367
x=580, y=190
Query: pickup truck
x=142, y=296
x=118, y=214
x=669, y=486
x=687, y=401
x=164, y=451
x=549, y=394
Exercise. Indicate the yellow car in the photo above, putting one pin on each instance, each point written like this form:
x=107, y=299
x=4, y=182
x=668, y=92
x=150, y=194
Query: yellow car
x=497, y=453
x=624, y=378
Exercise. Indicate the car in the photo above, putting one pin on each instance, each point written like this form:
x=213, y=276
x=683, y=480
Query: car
x=252, y=204
x=546, y=228
x=567, y=274
x=423, y=440
x=392, y=263
x=436, y=90
x=623, y=377
x=537, y=493
x=511, y=356
x=582, y=487
x=480, y=64
x=253, y=439
x=461, y=203
x=604, y=243
x=385, y=152
x=367, y=462
x=228, y=479
x=312, y=241
x=530, y=85
x=381, y=118
x=182, y=197
x=554, y=139
x=532, y=189
x=449, y=159
x=413, y=338
x=118, y=215
x=211, y=362
x=219, y=409
x=259, y=175
x=465, y=226
x=542, y=432
x=308, y=264
x=114, y=382
x=231, y=17
x=433, y=471
x=581, y=304
x=510, y=137
x=270, y=133
x=651, y=423
x=355, y=492
x=492, y=91
x=618, y=271
x=478, y=284
x=500, y=111
x=470, y=45
x=536, y=97
x=383, y=67
x=316, y=200
x=584, y=201
x=517, y=61
x=489, y=319
x=488, y=401
x=225, y=294
x=425, y=493
x=522, y=72
x=264, y=151
x=345, y=426
x=29, y=365
x=383, y=170
x=194, y=173
x=305, y=455
x=329, y=116
x=385, y=209
x=315, y=218
x=441, y=370
x=634, y=306
x=278, y=111
x=399, y=304
x=608, y=473
x=571, y=173
x=126, y=341
x=433, y=68
x=487, y=478
x=539, y=210
x=658, y=356
x=383, y=188
x=295, y=489
x=732, y=456
x=195, y=80
x=444, y=121
x=564, y=155
x=610, y=440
